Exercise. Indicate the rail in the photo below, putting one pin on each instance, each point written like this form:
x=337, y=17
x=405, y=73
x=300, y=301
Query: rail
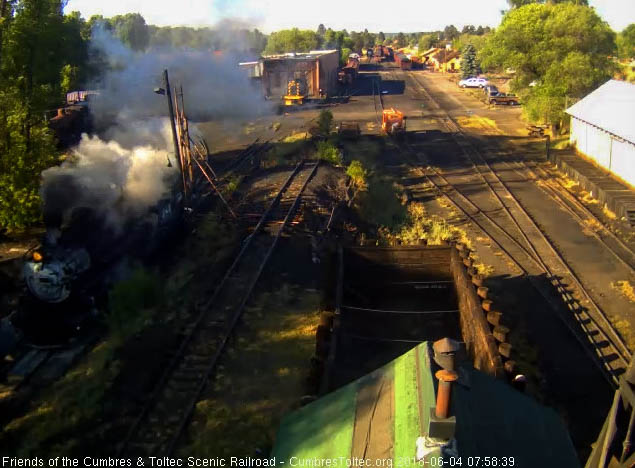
x=166, y=414
x=599, y=320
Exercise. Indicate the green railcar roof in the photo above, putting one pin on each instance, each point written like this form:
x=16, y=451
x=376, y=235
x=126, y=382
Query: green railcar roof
x=379, y=417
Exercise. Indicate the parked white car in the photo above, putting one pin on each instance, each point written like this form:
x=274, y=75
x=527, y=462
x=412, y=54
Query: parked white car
x=473, y=83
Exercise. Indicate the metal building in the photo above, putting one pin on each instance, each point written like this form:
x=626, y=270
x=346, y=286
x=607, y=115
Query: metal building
x=316, y=70
x=603, y=128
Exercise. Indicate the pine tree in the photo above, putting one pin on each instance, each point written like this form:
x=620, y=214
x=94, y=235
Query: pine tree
x=469, y=64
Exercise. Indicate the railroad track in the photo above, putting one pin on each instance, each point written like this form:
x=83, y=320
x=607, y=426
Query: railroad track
x=529, y=248
x=554, y=189
x=245, y=156
x=166, y=414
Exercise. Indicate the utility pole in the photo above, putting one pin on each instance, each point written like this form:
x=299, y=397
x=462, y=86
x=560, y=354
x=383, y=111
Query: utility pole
x=168, y=93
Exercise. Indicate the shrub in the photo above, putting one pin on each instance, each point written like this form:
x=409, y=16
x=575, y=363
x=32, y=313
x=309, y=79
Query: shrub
x=327, y=151
x=325, y=122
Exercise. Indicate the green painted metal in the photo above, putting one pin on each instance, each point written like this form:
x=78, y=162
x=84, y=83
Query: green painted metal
x=321, y=430
x=426, y=384
x=493, y=421
x=406, y=406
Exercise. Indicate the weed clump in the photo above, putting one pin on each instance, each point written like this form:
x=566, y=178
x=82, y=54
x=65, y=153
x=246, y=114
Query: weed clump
x=327, y=151
x=419, y=227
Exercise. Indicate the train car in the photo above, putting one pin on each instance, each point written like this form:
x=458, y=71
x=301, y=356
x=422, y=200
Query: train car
x=393, y=122
x=348, y=74
x=403, y=61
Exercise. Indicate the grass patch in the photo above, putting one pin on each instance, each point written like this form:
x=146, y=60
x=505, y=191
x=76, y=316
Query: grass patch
x=327, y=151
x=623, y=327
x=419, y=225
x=232, y=185
x=213, y=241
x=284, y=153
x=569, y=183
x=608, y=213
x=625, y=288
x=484, y=269
x=625, y=331
x=587, y=198
x=298, y=136
x=591, y=226
x=479, y=123
x=365, y=150
x=261, y=377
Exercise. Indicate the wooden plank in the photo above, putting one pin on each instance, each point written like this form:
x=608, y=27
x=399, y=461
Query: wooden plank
x=372, y=433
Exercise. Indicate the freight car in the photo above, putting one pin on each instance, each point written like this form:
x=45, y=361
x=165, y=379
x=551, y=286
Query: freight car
x=70, y=121
x=382, y=53
x=348, y=74
x=403, y=61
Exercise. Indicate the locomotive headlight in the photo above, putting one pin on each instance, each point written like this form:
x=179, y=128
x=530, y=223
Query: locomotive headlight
x=37, y=256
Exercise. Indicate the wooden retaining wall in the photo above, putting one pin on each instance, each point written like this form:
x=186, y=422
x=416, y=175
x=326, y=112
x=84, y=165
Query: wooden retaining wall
x=480, y=343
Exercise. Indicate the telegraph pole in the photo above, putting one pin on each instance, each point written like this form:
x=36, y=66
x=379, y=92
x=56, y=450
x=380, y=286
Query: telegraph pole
x=168, y=93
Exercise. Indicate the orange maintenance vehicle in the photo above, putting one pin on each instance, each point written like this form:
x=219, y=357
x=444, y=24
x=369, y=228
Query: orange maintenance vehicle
x=393, y=122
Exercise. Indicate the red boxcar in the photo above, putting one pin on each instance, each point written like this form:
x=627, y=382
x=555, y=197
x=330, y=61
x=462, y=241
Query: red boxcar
x=403, y=61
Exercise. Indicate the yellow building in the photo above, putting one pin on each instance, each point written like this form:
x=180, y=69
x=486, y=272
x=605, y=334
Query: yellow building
x=445, y=60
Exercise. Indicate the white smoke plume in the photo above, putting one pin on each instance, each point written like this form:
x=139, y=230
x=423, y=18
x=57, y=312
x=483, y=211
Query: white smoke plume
x=124, y=172
x=214, y=87
x=115, y=181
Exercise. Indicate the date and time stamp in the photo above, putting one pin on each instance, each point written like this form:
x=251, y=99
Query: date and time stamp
x=244, y=462
x=404, y=462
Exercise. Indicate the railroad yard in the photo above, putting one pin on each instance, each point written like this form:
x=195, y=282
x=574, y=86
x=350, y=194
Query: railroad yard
x=251, y=296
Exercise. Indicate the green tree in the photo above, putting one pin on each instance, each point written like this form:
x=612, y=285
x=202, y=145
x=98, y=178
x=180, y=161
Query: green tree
x=357, y=41
x=450, y=32
x=469, y=63
x=426, y=42
x=291, y=40
x=344, y=53
x=325, y=122
x=381, y=37
x=132, y=30
x=478, y=42
x=626, y=42
x=368, y=39
x=401, y=39
x=329, y=39
x=358, y=178
x=321, y=30
x=42, y=54
x=520, y=3
x=563, y=49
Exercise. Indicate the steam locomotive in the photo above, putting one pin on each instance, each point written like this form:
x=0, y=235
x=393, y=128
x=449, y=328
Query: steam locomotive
x=79, y=255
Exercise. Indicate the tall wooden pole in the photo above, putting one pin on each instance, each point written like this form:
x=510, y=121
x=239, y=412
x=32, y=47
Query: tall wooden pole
x=168, y=92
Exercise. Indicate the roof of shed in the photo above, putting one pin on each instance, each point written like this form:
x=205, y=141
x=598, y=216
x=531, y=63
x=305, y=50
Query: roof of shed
x=311, y=55
x=378, y=416
x=611, y=107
